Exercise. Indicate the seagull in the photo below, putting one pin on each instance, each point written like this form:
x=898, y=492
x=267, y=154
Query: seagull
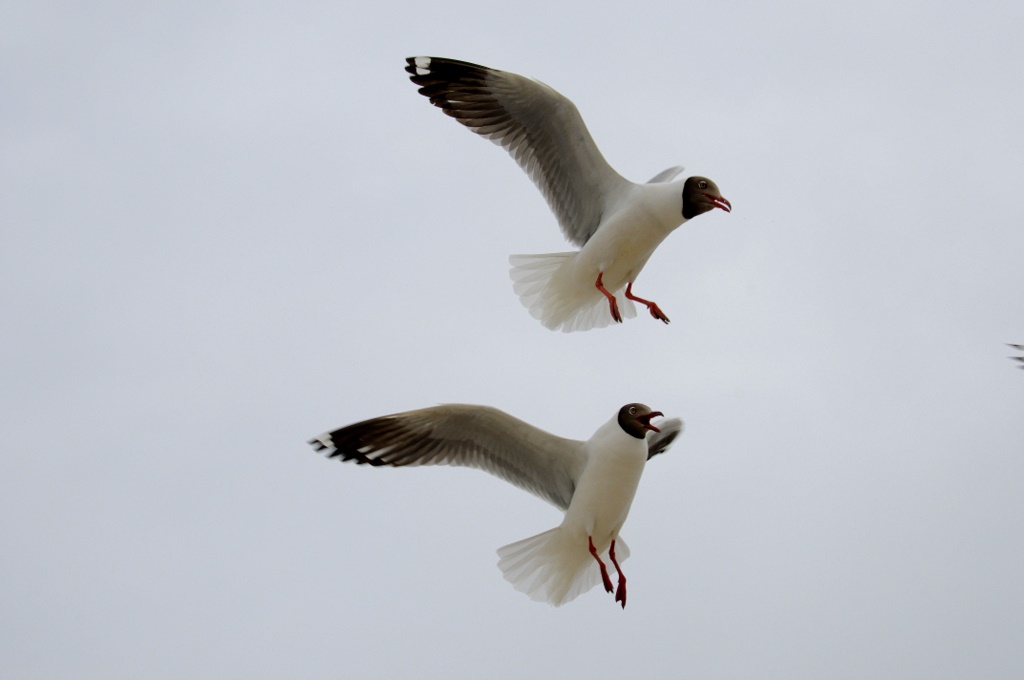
x=1019, y=348
x=592, y=481
x=617, y=224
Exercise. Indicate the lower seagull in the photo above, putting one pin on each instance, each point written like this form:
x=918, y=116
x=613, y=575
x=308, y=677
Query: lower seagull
x=592, y=481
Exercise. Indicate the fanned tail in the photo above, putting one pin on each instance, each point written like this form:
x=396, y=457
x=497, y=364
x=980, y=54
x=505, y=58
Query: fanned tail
x=546, y=287
x=554, y=567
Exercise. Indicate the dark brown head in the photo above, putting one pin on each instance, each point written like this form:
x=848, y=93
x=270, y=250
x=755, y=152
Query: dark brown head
x=701, y=195
x=635, y=420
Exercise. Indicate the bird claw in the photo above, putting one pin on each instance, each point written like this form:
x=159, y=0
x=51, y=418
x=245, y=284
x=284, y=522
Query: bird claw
x=613, y=305
x=620, y=592
x=657, y=313
x=604, y=570
x=652, y=307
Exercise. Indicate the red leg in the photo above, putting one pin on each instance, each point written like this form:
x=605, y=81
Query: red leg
x=604, y=570
x=620, y=592
x=611, y=298
x=651, y=307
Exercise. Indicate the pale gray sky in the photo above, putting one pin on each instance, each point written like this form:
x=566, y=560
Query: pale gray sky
x=229, y=227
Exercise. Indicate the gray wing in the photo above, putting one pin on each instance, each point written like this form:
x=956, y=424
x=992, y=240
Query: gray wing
x=659, y=442
x=666, y=175
x=469, y=436
x=541, y=129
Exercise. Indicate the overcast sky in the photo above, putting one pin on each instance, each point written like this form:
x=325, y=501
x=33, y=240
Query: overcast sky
x=228, y=227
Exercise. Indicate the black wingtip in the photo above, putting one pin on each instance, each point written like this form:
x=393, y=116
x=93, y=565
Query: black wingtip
x=439, y=70
x=345, y=444
x=319, y=444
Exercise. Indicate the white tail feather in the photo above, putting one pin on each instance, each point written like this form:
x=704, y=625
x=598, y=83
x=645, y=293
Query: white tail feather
x=554, y=567
x=546, y=286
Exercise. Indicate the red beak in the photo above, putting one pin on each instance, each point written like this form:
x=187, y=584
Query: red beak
x=719, y=202
x=645, y=420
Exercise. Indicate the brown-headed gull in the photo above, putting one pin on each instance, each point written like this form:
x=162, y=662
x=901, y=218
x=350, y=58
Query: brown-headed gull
x=593, y=481
x=616, y=223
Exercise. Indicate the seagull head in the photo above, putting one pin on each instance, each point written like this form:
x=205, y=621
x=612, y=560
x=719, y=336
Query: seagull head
x=635, y=419
x=701, y=195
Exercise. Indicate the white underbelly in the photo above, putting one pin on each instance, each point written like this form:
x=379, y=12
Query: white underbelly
x=602, y=500
x=619, y=252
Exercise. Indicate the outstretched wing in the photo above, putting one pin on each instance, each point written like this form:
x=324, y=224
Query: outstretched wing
x=541, y=129
x=469, y=436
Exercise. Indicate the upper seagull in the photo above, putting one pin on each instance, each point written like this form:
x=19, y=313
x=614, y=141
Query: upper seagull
x=616, y=223
x=592, y=481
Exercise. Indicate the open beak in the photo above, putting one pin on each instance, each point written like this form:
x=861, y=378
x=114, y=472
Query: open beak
x=719, y=202
x=645, y=420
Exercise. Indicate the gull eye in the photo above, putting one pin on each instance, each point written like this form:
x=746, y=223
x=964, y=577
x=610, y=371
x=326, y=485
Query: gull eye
x=702, y=184
x=632, y=410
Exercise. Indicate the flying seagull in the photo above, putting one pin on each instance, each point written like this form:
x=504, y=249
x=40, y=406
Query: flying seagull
x=1019, y=348
x=616, y=223
x=593, y=481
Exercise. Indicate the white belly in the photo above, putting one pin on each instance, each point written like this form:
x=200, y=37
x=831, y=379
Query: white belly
x=619, y=250
x=605, y=492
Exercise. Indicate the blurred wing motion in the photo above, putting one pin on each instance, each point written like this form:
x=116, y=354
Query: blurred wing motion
x=659, y=442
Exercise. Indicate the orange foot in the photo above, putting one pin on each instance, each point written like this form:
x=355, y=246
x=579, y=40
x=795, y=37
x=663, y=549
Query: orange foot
x=620, y=592
x=652, y=307
x=611, y=303
x=604, y=569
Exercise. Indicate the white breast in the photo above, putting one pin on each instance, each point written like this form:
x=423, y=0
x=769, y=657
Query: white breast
x=607, y=485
